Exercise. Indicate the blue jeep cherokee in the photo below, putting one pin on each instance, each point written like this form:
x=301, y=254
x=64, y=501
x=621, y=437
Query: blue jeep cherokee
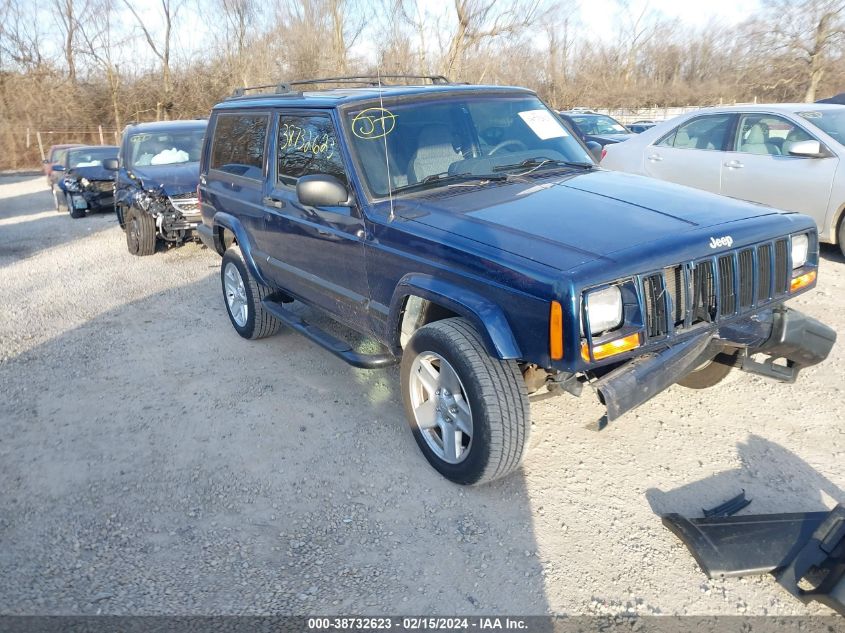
x=464, y=229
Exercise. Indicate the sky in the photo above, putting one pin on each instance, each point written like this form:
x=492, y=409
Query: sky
x=594, y=17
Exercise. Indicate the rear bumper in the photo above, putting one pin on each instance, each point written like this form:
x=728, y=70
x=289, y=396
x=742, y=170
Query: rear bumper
x=779, y=334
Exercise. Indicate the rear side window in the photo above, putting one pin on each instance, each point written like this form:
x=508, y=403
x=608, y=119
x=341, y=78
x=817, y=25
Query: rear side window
x=238, y=146
x=308, y=145
x=704, y=132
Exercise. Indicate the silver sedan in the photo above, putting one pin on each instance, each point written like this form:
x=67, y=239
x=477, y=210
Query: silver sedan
x=788, y=156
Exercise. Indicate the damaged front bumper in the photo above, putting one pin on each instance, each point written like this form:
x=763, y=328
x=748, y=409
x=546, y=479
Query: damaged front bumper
x=780, y=334
x=804, y=550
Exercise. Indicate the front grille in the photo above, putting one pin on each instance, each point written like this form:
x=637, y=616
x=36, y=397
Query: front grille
x=727, y=294
x=676, y=287
x=653, y=291
x=746, y=278
x=715, y=288
x=104, y=185
x=186, y=205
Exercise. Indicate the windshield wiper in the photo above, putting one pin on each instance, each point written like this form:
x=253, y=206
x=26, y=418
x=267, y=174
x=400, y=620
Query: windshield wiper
x=439, y=180
x=539, y=161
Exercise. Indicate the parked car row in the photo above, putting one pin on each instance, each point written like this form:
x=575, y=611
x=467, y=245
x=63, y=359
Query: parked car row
x=150, y=181
x=468, y=233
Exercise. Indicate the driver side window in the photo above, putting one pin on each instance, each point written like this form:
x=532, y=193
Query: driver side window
x=768, y=134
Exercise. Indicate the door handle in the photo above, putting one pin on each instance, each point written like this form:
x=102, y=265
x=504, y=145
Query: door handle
x=270, y=201
x=734, y=164
x=655, y=158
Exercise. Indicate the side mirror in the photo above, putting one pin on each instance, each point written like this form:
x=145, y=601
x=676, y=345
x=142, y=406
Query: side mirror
x=322, y=190
x=809, y=149
x=111, y=164
x=58, y=167
x=595, y=150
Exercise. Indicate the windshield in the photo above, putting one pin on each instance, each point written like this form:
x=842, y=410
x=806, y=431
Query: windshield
x=91, y=157
x=832, y=122
x=599, y=124
x=165, y=148
x=442, y=139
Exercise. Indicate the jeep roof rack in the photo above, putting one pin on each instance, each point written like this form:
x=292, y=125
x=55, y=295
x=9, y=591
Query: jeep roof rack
x=286, y=88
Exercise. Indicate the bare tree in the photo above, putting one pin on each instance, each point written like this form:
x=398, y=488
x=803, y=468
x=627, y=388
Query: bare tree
x=97, y=36
x=65, y=11
x=479, y=21
x=807, y=36
x=161, y=48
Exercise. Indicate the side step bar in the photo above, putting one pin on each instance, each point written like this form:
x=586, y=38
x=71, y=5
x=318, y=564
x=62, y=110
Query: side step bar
x=339, y=348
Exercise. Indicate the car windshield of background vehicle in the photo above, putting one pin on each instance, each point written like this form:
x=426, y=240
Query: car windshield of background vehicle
x=90, y=157
x=832, y=122
x=599, y=125
x=165, y=148
x=443, y=140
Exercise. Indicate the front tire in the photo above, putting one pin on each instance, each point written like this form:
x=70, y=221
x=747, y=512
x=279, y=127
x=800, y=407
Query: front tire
x=74, y=212
x=841, y=235
x=242, y=295
x=468, y=411
x=118, y=211
x=710, y=373
x=140, y=232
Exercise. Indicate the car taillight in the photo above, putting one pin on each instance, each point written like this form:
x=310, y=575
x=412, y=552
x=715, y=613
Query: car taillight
x=603, y=153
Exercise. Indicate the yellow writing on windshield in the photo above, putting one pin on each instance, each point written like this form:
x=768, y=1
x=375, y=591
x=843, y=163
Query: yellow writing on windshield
x=373, y=123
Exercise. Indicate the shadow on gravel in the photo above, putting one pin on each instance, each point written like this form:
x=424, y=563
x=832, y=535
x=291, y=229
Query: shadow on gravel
x=154, y=462
x=30, y=224
x=831, y=253
x=775, y=479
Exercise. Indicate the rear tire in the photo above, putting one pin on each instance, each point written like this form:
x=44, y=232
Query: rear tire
x=841, y=235
x=140, y=232
x=242, y=295
x=710, y=373
x=468, y=411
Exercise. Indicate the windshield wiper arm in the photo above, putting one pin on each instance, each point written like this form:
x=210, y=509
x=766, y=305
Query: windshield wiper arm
x=539, y=161
x=437, y=180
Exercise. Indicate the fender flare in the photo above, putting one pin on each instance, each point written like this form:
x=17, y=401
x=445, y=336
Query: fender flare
x=231, y=223
x=485, y=315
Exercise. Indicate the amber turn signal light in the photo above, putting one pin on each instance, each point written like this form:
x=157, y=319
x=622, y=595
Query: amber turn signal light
x=802, y=281
x=624, y=344
x=556, y=331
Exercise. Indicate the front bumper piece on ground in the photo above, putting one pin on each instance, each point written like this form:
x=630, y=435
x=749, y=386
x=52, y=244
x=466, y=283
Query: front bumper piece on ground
x=804, y=550
x=782, y=333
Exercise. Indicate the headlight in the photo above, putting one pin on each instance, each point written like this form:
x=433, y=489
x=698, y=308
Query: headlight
x=800, y=247
x=604, y=309
x=70, y=184
x=143, y=200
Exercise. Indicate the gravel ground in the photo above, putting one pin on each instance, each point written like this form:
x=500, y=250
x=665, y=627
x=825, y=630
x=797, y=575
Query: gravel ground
x=152, y=461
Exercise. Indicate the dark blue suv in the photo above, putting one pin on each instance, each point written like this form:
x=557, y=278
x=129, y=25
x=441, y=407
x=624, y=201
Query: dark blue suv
x=466, y=231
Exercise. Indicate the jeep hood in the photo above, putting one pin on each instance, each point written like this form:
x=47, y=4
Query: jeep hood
x=573, y=219
x=173, y=179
